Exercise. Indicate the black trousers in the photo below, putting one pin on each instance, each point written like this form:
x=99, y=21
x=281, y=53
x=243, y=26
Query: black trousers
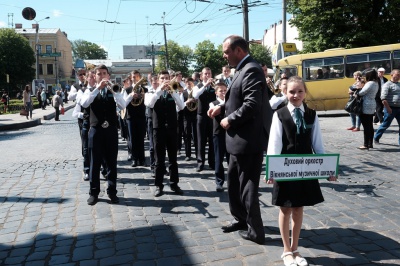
x=103, y=144
x=149, y=122
x=244, y=172
x=85, y=146
x=165, y=138
x=204, y=135
x=366, y=121
x=123, y=127
x=57, y=109
x=136, y=131
x=220, y=152
x=190, y=128
x=378, y=112
x=181, y=131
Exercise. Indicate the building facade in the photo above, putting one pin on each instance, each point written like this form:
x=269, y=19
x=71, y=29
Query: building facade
x=55, y=54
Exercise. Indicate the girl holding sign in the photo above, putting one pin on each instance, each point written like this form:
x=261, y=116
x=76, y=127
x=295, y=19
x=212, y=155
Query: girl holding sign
x=295, y=130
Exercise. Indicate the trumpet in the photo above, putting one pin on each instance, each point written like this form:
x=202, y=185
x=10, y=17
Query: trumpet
x=193, y=104
x=174, y=86
x=137, y=88
x=114, y=87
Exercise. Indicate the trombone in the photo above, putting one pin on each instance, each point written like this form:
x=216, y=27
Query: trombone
x=272, y=87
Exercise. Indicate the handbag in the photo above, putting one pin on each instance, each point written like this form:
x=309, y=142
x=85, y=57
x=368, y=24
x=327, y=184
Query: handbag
x=23, y=112
x=62, y=110
x=354, y=105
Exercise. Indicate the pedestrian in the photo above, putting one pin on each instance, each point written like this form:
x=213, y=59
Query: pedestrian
x=354, y=118
x=5, y=100
x=368, y=92
x=390, y=97
x=247, y=121
x=295, y=130
x=57, y=102
x=378, y=118
x=43, y=98
x=27, y=100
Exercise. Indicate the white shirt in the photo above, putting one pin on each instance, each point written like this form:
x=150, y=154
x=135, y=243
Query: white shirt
x=73, y=92
x=276, y=101
x=275, y=136
x=150, y=99
x=122, y=99
x=198, y=91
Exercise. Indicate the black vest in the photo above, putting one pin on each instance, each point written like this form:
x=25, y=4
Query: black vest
x=164, y=112
x=135, y=111
x=293, y=143
x=103, y=109
x=205, y=99
x=77, y=86
x=217, y=129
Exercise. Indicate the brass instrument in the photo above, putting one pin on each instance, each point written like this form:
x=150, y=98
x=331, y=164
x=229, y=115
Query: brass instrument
x=193, y=104
x=272, y=87
x=137, y=88
x=114, y=87
x=174, y=86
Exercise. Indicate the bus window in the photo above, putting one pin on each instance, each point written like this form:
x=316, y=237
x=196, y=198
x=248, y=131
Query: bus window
x=396, y=61
x=323, y=68
x=364, y=62
x=288, y=71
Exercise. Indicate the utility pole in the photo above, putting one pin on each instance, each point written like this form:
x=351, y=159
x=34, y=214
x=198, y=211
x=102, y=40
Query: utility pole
x=245, y=8
x=165, y=40
x=284, y=21
x=152, y=57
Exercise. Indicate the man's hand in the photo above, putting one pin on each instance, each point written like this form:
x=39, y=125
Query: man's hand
x=225, y=124
x=214, y=111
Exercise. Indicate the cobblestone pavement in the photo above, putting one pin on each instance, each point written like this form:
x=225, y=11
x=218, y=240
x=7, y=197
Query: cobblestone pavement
x=44, y=218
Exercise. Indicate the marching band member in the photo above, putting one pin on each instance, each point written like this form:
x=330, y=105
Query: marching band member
x=136, y=120
x=189, y=119
x=103, y=132
x=78, y=85
x=149, y=123
x=205, y=93
x=164, y=103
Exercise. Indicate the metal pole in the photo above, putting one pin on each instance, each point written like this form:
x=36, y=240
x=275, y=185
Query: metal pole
x=37, y=50
x=284, y=21
x=152, y=56
x=245, y=20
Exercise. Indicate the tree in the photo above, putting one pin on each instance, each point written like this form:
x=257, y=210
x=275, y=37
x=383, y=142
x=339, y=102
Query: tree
x=261, y=54
x=206, y=55
x=349, y=24
x=86, y=50
x=179, y=58
x=16, y=60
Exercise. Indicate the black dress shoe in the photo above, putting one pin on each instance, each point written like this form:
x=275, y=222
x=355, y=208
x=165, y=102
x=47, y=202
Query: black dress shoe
x=142, y=163
x=92, y=200
x=199, y=168
x=245, y=235
x=233, y=227
x=114, y=199
x=158, y=192
x=134, y=164
x=176, y=189
x=129, y=158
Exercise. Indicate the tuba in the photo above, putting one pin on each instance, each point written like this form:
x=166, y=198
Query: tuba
x=137, y=88
x=193, y=104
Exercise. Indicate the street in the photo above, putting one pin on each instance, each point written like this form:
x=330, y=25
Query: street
x=45, y=220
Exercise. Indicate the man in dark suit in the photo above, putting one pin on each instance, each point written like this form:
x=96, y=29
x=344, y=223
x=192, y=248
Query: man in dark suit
x=248, y=117
x=379, y=105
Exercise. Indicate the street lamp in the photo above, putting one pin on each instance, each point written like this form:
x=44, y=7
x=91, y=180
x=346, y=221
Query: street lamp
x=37, y=46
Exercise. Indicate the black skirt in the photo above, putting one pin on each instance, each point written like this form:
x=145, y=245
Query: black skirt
x=297, y=193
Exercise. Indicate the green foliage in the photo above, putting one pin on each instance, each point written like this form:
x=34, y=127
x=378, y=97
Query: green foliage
x=86, y=50
x=329, y=24
x=179, y=58
x=206, y=55
x=16, y=60
x=261, y=54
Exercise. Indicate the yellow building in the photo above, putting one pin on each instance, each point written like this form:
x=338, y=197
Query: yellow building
x=55, y=54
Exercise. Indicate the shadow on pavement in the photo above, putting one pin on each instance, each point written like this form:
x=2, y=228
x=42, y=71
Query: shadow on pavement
x=9, y=135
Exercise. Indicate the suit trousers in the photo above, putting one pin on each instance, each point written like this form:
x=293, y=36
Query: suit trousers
x=220, y=152
x=181, y=131
x=136, y=128
x=103, y=144
x=190, y=124
x=149, y=122
x=165, y=138
x=85, y=147
x=204, y=134
x=244, y=172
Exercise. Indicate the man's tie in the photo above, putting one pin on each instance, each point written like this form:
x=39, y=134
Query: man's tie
x=300, y=123
x=104, y=93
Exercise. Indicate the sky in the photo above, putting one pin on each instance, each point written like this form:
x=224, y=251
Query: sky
x=114, y=23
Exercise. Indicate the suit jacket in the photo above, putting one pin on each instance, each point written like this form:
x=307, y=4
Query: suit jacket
x=248, y=110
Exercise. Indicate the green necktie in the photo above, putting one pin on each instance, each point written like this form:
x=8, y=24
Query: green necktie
x=300, y=123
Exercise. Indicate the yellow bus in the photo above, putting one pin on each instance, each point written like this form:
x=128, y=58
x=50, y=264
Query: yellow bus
x=329, y=74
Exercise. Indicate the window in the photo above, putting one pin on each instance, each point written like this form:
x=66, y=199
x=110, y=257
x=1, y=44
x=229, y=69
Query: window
x=48, y=49
x=364, y=62
x=289, y=71
x=40, y=69
x=39, y=48
x=49, y=69
x=323, y=68
x=396, y=60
